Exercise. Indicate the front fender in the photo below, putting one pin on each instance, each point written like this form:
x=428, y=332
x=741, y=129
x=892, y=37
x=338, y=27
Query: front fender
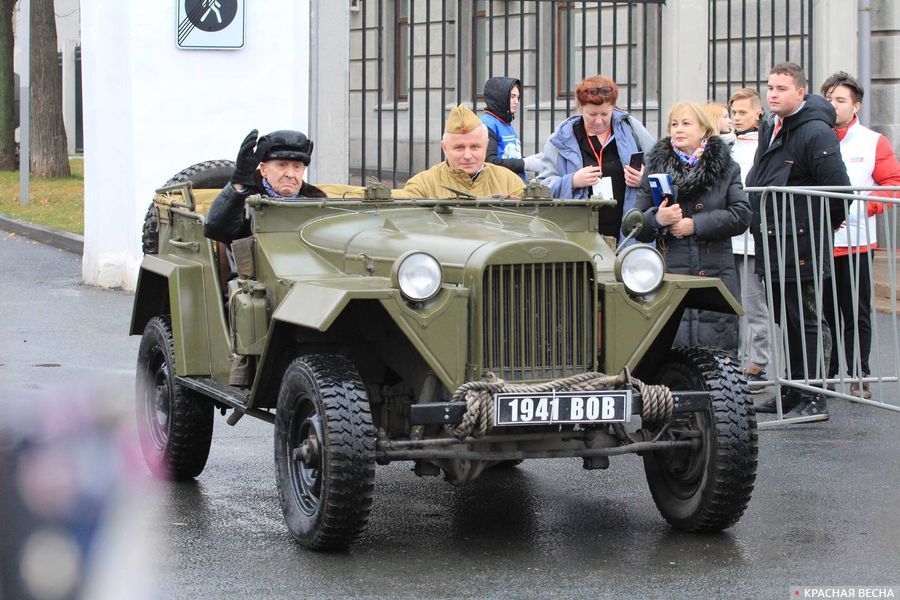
x=317, y=304
x=438, y=330
x=635, y=331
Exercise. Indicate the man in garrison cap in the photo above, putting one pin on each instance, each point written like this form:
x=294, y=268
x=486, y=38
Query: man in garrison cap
x=464, y=144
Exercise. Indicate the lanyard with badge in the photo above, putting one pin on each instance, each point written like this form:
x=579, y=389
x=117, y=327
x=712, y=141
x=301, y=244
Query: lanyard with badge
x=603, y=188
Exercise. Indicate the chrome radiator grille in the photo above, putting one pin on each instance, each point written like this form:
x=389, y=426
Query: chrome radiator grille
x=538, y=320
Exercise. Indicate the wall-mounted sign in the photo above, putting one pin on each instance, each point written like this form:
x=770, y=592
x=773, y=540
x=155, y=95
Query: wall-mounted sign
x=210, y=24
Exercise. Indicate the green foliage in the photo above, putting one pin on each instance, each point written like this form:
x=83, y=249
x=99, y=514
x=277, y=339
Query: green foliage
x=57, y=203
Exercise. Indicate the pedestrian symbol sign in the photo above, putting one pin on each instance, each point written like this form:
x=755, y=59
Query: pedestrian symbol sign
x=210, y=24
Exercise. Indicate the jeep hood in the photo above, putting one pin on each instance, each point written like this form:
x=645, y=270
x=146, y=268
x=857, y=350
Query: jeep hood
x=451, y=238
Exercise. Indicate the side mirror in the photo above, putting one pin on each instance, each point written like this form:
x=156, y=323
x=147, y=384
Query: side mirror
x=632, y=222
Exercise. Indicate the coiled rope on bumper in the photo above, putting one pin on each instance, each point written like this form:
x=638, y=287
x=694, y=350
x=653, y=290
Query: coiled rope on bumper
x=479, y=398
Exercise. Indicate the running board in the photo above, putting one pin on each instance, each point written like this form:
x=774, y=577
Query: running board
x=231, y=397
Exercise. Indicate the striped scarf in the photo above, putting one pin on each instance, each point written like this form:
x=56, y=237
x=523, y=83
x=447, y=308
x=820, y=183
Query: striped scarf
x=690, y=160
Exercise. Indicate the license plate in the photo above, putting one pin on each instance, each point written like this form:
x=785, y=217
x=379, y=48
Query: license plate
x=607, y=406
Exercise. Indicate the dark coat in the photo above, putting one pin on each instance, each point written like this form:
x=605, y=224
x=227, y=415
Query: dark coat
x=711, y=194
x=496, y=100
x=806, y=152
x=226, y=221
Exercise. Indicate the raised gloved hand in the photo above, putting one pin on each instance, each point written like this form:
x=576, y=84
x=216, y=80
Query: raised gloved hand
x=246, y=162
x=533, y=162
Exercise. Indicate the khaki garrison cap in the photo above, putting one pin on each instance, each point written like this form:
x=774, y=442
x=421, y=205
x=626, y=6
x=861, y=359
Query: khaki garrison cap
x=462, y=120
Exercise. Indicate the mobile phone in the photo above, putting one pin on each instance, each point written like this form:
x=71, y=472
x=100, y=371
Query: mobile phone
x=637, y=161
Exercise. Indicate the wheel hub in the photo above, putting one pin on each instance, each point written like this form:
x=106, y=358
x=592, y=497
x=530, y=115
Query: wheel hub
x=161, y=405
x=308, y=451
x=305, y=454
x=158, y=404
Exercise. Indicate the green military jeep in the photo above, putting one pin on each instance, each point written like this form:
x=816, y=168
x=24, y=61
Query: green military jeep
x=462, y=335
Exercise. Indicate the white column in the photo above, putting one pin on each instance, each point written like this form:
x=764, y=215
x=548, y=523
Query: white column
x=110, y=251
x=834, y=39
x=330, y=126
x=151, y=109
x=685, y=47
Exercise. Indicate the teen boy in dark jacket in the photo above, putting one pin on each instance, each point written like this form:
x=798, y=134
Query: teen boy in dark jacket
x=501, y=97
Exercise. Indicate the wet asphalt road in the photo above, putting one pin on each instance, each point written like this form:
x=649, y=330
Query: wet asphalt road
x=824, y=512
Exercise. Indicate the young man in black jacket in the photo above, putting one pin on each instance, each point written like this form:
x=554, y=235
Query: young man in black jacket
x=797, y=147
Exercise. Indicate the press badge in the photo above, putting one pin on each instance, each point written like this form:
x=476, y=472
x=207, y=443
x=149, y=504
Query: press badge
x=603, y=188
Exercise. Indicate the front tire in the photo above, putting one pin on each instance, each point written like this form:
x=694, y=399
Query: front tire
x=175, y=425
x=706, y=489
x=324, y=452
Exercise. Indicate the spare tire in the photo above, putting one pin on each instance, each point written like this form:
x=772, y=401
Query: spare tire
x=209, y=174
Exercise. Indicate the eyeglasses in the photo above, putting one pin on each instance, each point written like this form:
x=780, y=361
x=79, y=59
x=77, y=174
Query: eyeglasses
x=596, y=91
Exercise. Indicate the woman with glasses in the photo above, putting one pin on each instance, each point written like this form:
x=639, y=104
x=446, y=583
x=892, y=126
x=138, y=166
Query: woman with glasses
x=591, y=153
x=693, y=227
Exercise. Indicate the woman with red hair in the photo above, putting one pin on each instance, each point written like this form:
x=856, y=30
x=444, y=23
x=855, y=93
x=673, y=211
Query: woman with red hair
x=594, y=145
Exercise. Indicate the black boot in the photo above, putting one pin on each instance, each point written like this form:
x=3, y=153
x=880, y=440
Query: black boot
x=789, y=399
x=810, y=407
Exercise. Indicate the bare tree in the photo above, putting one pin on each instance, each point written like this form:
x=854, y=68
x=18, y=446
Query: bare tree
x=49, y=150
x=8, y=117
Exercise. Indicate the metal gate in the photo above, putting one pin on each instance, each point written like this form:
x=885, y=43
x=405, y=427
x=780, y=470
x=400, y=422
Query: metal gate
x=749, y=37
x=855, y=343
x=411, y=61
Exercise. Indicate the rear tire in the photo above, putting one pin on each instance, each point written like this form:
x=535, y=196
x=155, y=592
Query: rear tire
x=175, y=425
x=210, y=174
x=324, y=452
x=706, y=489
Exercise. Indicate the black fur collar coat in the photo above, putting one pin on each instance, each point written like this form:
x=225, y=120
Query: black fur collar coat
x=712, y=196
x=713, y=165
x=710, y=192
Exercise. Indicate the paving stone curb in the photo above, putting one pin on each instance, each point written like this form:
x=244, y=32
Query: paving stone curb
x=70, y=242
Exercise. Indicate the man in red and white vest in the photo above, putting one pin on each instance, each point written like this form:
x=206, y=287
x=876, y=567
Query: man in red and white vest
x=870, y=161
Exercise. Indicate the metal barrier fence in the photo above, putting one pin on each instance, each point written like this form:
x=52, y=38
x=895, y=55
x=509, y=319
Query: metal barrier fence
x=413, y=60
x=748, y=37
x=807, y=287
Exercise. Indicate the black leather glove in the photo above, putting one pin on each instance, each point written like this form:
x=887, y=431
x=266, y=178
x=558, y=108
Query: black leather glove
x=246, y=163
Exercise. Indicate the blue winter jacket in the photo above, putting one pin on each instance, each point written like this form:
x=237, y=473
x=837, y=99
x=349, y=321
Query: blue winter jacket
x=562, y=155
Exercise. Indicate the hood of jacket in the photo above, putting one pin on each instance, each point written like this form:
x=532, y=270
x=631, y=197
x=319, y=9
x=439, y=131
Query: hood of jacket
x=496, y=96
x=707, y=173
x=816, y=108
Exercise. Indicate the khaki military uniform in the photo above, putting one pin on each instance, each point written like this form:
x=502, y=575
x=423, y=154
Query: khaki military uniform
x=493, y=180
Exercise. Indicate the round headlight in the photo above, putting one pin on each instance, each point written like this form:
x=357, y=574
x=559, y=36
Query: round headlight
x=640, y=268
x=419, y=276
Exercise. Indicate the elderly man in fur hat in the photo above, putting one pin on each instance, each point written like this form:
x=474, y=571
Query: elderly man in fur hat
x=464, y=144
x=272, y=166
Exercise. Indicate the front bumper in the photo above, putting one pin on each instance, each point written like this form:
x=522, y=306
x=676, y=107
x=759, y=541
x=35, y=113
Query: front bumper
x=451, y=413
